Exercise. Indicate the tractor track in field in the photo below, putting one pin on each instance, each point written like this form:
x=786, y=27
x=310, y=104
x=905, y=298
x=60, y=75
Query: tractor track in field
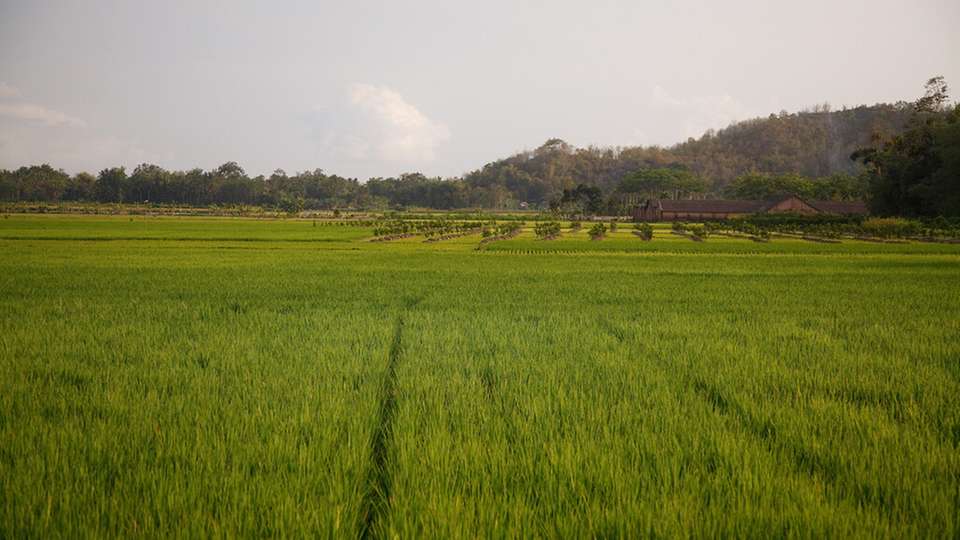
x=376, y=498
x=615, y=331
x=800, y=458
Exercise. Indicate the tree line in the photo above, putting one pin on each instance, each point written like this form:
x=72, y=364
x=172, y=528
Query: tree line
x=903, y=158
x=228, y=184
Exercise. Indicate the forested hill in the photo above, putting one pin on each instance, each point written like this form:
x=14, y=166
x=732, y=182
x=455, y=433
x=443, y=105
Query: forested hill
x=816, y=143
x=812, y=143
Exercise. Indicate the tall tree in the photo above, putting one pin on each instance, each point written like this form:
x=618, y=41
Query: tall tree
x=917, y=173
x=111, y=184
x=81, y=187
x=663, y=181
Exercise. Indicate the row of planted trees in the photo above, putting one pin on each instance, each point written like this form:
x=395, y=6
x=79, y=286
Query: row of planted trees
x=548, y=230
x=852, y=227
x=428, y=228
x=438, y=229
x=762, y=226
x=502, y=230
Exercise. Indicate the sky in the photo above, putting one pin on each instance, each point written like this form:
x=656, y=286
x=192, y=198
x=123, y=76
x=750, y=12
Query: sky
x=366, y=88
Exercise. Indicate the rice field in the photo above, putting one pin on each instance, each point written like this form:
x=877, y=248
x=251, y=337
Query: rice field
x=235, y=377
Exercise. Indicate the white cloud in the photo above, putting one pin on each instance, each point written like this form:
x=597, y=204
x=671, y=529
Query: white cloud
x=20, y=110
x=8, y=91
x=696, y=114
x=380, y=124
x=38, y=113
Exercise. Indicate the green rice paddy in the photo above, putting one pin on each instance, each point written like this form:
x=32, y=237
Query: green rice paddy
x=231, y=377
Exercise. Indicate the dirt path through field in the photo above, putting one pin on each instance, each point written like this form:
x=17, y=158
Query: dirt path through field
x=376, y=500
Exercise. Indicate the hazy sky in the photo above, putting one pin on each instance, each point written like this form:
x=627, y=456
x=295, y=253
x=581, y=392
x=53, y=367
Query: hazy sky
x=379, y=88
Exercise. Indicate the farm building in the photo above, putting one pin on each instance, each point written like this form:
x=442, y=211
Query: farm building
x=670, y=210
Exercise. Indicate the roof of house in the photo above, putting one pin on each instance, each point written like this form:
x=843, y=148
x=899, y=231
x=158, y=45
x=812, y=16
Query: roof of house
x=721, y=206
x=840, y=207
x=714, y=206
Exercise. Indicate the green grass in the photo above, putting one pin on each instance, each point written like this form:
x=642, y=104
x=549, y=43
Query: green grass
x=52, y=227
x=234, y=377
x=664, y=241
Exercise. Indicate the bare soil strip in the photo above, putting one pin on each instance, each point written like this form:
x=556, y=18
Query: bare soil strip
x=937, y=240
x=392, y=237
x=688, y=236
x=819, y=239
x=744, y=236
x=807, y=237
x=880, y=240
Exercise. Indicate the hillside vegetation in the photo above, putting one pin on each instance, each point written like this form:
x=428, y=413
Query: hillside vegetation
x=813, y=143
x=900, y=157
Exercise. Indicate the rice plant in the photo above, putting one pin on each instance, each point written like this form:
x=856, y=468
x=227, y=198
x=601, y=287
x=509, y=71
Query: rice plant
x=229, y=377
